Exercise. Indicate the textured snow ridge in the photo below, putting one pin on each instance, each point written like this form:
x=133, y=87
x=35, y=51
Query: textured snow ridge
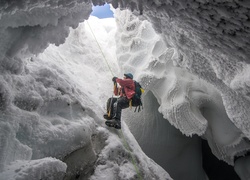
x=172, y=87
x=45, y=113
x=119, y=160
x=29, y=27
x=213, y=38
x=47, y=168
x=228, y=153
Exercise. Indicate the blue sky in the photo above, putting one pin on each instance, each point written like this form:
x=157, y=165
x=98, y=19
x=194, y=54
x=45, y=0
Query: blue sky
x=102, y=11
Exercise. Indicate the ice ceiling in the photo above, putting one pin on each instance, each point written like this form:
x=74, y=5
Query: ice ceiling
x=211, y=41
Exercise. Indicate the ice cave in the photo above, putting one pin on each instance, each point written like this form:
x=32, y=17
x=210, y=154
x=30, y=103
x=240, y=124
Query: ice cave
x=56, y=66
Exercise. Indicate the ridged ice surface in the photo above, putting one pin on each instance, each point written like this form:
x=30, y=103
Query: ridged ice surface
x=194, y=100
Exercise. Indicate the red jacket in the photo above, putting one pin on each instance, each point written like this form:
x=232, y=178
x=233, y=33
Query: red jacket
x=128, y=87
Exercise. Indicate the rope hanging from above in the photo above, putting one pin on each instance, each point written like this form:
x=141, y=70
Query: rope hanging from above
x=100, y=49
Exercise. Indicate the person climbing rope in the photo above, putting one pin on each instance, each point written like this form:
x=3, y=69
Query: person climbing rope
x=115, y=105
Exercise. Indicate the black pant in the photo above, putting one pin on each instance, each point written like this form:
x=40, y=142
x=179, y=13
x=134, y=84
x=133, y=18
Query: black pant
x=115, y=105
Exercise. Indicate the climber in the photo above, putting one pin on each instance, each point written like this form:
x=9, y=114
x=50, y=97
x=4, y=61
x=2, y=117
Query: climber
x=115, y=105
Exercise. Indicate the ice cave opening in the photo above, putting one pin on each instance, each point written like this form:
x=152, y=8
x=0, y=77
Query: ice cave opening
x=192, y=56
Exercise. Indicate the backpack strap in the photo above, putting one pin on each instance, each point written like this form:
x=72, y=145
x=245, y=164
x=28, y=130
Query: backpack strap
x=135, y=109
x=139, y=108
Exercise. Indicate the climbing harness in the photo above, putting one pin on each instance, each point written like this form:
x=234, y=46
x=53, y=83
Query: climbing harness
x=121, y=135
x=111, y=102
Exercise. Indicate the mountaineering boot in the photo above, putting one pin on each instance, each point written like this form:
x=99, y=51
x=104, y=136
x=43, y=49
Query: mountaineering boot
x=118, y=124
x=114, y=123
x=106, y=116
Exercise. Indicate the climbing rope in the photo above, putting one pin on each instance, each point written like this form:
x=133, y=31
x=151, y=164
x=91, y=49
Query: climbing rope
x=121, y=135
x=100, y=49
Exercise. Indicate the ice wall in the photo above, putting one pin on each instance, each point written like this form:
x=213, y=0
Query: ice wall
x=180, y=155
x=30, y=100
x=214, y=35
x=189, y=101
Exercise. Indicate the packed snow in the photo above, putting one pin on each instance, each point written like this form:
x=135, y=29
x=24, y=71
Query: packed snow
x=56, y=66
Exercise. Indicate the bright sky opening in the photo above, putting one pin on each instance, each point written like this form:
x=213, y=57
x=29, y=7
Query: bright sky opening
x=102, y=11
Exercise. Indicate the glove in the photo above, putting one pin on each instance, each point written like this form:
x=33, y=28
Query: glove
x=114, y=79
